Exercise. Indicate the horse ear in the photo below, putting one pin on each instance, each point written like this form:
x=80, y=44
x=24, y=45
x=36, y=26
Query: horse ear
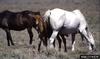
x=38, y=13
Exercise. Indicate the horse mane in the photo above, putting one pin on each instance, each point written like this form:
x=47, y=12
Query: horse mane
x=37, y=13
x=42, y=25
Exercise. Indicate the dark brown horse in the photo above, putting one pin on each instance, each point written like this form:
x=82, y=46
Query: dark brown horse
x=44, y=31
x=18, y=21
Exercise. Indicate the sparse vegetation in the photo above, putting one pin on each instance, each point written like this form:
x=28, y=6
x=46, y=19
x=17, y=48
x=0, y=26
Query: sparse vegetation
x=22, y=49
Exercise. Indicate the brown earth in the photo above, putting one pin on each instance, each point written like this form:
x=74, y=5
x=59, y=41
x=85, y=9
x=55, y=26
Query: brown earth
x=22, y=49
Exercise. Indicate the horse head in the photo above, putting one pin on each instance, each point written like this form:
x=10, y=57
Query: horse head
x=39, y=22
x=36, y=17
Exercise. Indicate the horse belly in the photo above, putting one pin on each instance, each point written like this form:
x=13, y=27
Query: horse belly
x=71, y=22
x=17, y=28
x=68, y=30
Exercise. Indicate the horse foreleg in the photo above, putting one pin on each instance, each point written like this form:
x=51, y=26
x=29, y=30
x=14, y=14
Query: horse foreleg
x=73, y=41
x=9, y=37
x=30, y=34
x=64, y=42
x=53, y=36
x=39, y=45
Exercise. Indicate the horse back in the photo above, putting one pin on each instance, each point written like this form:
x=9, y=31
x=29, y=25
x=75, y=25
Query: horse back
x=14, y=20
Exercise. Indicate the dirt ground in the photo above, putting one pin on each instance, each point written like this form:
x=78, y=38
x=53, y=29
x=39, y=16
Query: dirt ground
x=22, y=49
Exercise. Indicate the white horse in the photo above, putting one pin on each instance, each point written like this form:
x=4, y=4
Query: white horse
x=68, y=23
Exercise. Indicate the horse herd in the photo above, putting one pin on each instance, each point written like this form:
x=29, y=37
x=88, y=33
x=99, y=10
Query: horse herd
x=55, y=23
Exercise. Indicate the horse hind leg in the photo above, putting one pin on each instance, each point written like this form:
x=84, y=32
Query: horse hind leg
x=59, y=42
x=73, y=42
x=64, y=42
x=30, y=34
x=9, y=37
x=88, y=36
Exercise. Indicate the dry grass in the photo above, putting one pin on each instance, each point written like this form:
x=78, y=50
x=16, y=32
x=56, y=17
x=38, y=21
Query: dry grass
x=22, y=49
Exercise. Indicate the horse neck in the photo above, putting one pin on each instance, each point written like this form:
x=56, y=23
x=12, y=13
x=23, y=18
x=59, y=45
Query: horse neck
x=43, y=26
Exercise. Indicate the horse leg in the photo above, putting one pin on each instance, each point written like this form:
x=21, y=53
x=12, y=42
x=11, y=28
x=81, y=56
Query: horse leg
x=82, y=37
x=73, y=41
x=88, y=36
x=30, y=34
x=41, y=40
x=53, y=36
x=9, y=37
x=59, y=41
x=39, y=45
x=54, y=43
x=45, y=41
x=64, y=42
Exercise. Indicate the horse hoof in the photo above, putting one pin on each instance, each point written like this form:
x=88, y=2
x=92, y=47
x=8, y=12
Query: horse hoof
x=51, y=46
x=13, y=44
x=8, y=44
x=73, y=49
x=65, y=50
x=39, y=50
x=30, y=43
